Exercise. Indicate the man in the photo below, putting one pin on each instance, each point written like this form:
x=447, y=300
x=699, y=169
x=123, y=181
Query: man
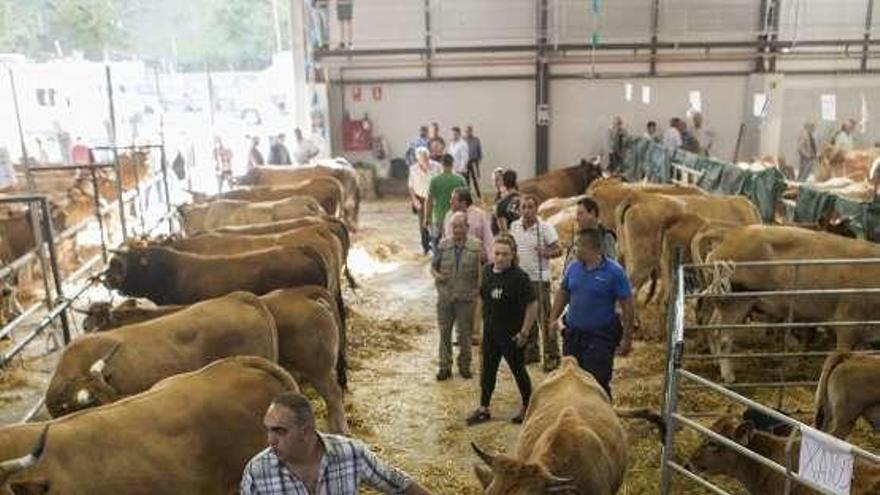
x=456, y=272
x=672, y=136
x=278, y=153
x=843, y=139
x=255, y=157
x=807, y=152
x=591, y=287
x=509, y=310
x=420, y=175
x=478, y=225
x=222, y=164
x=421, y=141
x=507, y=206
x=80, y=154
x=301, y=460
x=688, y=141
x=704, y=137
x=587, y=217
x=536, y=243
x=439, y=194
x=304, y=150
x=475, y=156
x=458, y=148
x=651, y=132
x=436, y=144
x=616, y=144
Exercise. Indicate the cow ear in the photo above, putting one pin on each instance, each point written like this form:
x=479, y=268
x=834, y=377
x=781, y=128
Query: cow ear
x=743, y=433
x=32, y=487
x=484, y=475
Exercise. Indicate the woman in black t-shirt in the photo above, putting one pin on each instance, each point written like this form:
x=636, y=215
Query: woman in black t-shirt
x=507, y=206
x=509, y=310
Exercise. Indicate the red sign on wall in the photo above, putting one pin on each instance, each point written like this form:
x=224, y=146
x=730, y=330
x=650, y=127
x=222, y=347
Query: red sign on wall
x=377, y=93
x=356, y=93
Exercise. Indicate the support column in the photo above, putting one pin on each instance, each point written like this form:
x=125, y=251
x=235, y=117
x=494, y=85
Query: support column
x=429, y=42
x=300, y=101
x=773, y=34
x=655, y=28
x=542, y=93
x=762, y=37
x=868, y=18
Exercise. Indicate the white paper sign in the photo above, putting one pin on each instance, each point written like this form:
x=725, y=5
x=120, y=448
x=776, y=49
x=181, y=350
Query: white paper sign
x=628, y=91
x=759, y=105
x=543, y=114
x=829, y=107
x=646, y=95
x=826, y=461
x=696, y=100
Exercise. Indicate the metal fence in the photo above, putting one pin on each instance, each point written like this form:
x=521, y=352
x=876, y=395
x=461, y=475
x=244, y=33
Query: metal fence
x=676, y=372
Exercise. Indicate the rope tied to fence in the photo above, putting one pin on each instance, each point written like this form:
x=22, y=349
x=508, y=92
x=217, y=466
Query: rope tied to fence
x=722, y=273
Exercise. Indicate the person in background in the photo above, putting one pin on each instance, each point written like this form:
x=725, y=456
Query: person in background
x=301, y=460
x=616, y=144
x=537, y=242
x=507, y=208
x=705, y=138
x=652, y=133
x=478, y=224
x=303, y=149
x=255, y=156
x=458, y=148
x=222, y=164
x=420, y=175
x=509, y=309
x=344, y=13
x=498, y=183
x=843, y=139
x=591, y=288
x=688, y=141
x=278, y=153
x=436, y=144
x=80, y=154
x=587, y=217
x=807, y=152
x=456, y=272
x=475, y=151
x=439, y=194
x=42, y=154
x=421, y=141
x=672, y=136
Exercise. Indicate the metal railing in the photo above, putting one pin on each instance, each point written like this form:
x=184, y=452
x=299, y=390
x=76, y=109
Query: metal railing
x=676, y=374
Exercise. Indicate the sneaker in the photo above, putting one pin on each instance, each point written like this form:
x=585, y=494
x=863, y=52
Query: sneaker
x=443, y=375
x=477, y=417
x=518, y=419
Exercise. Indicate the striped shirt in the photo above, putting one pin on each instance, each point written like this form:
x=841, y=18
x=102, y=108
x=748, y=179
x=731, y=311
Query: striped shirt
x=346, y=464
x=527, y=247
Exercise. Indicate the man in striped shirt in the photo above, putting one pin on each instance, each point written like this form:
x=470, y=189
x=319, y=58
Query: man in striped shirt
x=302, y=461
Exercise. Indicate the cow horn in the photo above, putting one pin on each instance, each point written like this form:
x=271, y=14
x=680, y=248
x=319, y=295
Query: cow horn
x=10, y=467
x=100, y=364
x=487, y=458
x=80, y=310
x=117, y=250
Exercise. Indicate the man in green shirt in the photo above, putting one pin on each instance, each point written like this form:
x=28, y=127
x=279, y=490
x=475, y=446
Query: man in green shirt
x=439, y=193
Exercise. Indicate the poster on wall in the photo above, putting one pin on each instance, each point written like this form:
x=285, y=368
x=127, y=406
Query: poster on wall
x=695, y=100
x=760, y=104
x=357, y=93
x=377, y=93
x=829, y=107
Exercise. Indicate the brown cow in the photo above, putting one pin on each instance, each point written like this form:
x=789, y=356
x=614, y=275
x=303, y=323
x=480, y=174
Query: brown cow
x=102, y=368
x=855, y=165
x=571, y=441
x=166, y=276
x=226, y=212
x=193, y=433
x=609, y=193
x=327, y=191
x=563, y=182
x=774, y=243
x=848, y=389
x=552, y=206
x=713, y=458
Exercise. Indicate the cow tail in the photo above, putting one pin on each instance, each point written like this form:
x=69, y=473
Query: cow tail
x=341, y=353
x=357, y=204
x=822, y=389
x=663, y=257
x=346, y=246
x=620, y=214
x=648, y=415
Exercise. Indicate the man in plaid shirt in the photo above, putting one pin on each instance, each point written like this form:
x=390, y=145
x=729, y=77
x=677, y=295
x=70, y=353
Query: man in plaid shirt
x=302, y=461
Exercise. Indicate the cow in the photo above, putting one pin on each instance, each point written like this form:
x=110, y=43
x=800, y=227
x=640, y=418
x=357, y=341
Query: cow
x=642, y=219
x=166, y=276
x=311, y=337
x=101, y=368
x=777, y=243
x=552, y=206
x=327, y=191
x=272, y=175
x=713, y=458
x=847, y=390
x=836, y=162
x=571, y=441
x=225, y=212
x=609, y=193
x=17, y=232
x=563, y=182
x=190, y=433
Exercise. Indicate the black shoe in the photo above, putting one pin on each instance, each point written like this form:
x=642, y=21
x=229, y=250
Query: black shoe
x=443, y=375
x=466, y=374
x=520, y=416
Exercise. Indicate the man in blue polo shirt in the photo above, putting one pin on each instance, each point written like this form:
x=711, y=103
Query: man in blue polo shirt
x=591, y=288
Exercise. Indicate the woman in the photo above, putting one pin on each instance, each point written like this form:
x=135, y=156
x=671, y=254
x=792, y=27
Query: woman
x=509, y=310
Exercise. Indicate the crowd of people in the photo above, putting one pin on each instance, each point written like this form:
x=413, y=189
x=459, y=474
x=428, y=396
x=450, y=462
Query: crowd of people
x=304, y=150
x=695, y=137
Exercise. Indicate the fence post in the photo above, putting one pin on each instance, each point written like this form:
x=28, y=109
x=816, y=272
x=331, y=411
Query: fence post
x=674, y=349
x=53, y=261
x=97, y=194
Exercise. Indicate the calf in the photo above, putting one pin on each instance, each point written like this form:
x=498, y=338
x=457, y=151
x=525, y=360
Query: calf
x=848, y=389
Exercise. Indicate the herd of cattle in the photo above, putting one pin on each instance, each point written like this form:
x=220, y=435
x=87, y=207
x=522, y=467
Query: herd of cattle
x=166, y=396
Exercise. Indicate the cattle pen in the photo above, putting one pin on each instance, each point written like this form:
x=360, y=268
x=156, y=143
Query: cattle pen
x=677, y=356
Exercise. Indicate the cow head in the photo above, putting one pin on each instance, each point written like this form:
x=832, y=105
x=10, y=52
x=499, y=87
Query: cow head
x=505, y=475
x=80, y=380
x=713, y=458
x=132, y=270
x=98, y=316
x=13, y=466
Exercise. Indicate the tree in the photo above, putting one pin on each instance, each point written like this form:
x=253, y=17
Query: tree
x=91, y=26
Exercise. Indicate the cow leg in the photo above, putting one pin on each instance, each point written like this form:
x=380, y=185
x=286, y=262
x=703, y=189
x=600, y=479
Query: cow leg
x=332, y=393
x=872, y=414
